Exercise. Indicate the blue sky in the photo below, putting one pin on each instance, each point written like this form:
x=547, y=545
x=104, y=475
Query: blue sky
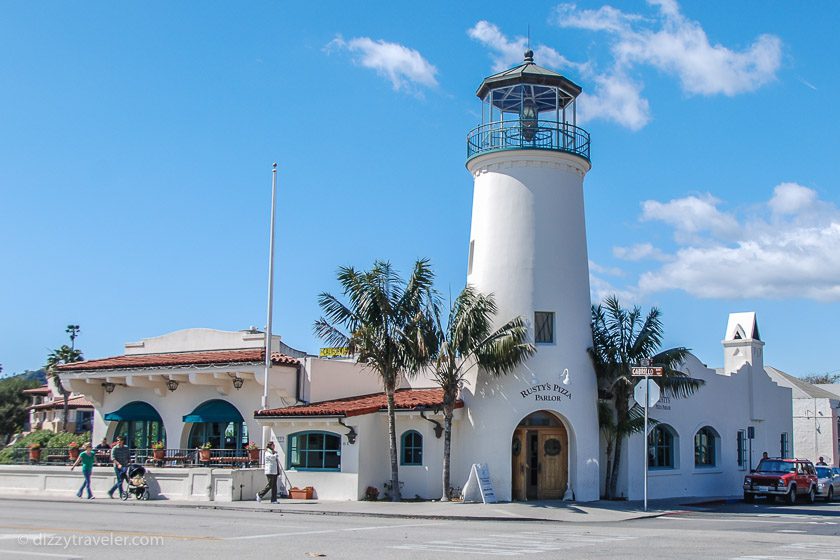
x=137, y=143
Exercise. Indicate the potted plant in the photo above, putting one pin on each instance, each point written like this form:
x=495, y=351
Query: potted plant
x=253, y=451
x=296, y=493
x=34, y=452
x=204, y=452
x=158, y=450
x=73, y=450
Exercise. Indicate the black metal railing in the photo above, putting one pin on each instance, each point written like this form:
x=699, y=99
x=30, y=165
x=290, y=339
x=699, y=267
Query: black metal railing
x=169, y=457
x=528, y=135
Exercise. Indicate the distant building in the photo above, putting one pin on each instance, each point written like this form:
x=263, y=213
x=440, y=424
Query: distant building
x=47, y=411
x=816, y=423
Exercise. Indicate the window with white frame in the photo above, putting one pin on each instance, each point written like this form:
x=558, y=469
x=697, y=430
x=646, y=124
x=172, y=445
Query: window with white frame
x=784, y=446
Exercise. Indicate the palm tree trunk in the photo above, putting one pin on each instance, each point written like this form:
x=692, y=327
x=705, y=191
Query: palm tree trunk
x=609, y=469
x=66, y=395
x=613, y=488
x=447, y=448
x=392, y=434
x=622, y=411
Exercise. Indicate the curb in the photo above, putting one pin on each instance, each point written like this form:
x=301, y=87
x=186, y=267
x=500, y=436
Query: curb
x=380, y=515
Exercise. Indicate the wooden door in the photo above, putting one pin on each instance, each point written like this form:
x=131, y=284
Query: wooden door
x=519, y=468
x=554, y=463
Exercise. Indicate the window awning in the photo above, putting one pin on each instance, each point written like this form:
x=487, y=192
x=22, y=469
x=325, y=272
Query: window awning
x=136, y=410
x=216, y=410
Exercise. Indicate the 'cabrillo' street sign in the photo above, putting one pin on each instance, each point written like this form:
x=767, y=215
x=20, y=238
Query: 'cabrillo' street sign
x=650, y=371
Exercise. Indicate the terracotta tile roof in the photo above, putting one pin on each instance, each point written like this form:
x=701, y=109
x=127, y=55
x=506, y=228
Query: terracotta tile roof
x=42, y=390
x=180, y=359
x=58, y=403
x=404, y=399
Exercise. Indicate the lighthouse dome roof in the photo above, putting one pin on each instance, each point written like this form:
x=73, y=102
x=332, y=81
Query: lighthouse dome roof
x=531, y=74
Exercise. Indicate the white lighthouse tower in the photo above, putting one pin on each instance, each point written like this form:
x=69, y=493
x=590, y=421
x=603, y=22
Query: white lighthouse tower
x=536, y=428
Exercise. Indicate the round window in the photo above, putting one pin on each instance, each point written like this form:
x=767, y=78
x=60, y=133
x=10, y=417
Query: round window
x=517, y=446
x=552, y=447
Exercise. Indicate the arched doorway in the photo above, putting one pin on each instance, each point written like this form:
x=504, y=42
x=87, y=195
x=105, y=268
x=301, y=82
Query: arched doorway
x=540, y=453
x=139, y=424
x=218, y=423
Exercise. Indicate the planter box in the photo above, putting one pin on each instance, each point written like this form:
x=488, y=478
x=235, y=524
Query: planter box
x=296, y=493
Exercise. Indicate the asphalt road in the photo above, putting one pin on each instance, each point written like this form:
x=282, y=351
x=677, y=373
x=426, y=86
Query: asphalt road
x=106, y=529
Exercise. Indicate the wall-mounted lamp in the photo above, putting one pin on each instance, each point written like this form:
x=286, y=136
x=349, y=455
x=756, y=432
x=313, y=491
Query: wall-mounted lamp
x=351, y=435
x=171, y=384
x=237, y=381
x=109, y=387
x=438, y=427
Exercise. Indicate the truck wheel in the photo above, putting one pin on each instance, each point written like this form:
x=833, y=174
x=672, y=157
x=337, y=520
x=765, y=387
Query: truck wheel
x=812, y=495
x=749, y=498
x=830, y=497
x=790, y=497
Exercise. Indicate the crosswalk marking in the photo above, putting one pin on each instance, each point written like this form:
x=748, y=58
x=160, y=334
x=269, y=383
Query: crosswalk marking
x=517, y=544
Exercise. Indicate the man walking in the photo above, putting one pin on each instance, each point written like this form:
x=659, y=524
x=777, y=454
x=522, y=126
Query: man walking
x=272, y=471
x=120, y=457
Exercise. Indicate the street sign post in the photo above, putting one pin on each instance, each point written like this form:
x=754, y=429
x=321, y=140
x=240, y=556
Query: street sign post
x=646, y=394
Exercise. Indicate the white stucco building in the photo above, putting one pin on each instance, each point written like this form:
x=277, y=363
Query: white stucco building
x=816, y=422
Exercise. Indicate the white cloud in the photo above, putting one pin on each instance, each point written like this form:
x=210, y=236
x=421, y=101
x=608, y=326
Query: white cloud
x=790, y=251
x=639, y=252
x=510, y=52
x=618, y=99
x=690, y=216
x=790, y=198
x=402, y=66
x=678, y=46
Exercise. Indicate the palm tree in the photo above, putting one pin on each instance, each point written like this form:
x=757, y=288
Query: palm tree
x=620, y=340
x=383, y=325
x=64, y=355
x=467, y=340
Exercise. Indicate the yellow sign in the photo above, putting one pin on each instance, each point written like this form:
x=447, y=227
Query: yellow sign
x=334, y=352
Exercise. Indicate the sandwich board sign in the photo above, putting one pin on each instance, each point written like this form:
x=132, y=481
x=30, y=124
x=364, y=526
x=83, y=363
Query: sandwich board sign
x=478, y=486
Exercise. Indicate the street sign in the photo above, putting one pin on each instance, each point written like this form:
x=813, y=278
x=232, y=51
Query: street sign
x=654, y=371
x=653, y=392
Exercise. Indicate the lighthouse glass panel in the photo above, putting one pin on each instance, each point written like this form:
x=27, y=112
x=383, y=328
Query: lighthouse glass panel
x=543, y=327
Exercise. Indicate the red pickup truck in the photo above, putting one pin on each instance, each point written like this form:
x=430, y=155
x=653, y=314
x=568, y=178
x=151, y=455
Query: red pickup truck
x=785, y=479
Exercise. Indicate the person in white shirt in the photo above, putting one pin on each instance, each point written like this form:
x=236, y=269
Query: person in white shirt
x=272, y=471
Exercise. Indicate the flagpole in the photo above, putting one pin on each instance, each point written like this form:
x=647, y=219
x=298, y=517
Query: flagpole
x=270, y=295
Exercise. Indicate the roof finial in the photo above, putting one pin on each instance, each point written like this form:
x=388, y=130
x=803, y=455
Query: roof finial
x=529, y=56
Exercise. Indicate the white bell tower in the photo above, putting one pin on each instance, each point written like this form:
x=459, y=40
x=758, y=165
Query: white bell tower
x=528, y=159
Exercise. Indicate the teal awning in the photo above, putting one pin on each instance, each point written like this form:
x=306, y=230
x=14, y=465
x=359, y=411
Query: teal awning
x=216, y=410
x=136, y=410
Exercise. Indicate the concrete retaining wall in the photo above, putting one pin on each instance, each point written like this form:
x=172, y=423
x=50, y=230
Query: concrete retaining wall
x=203, y=484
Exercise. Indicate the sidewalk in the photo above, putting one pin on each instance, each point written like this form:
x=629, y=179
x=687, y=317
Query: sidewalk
x=557, y=511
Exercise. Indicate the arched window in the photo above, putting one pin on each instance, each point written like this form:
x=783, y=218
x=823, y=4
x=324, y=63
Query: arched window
x=138, y=423
x=705, y=443
x=661, y=447
x=218, y=423
x=315, y=451
x=411, y=448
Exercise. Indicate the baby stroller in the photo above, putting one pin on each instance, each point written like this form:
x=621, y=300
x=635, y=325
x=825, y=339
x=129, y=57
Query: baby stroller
x=135, y=476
